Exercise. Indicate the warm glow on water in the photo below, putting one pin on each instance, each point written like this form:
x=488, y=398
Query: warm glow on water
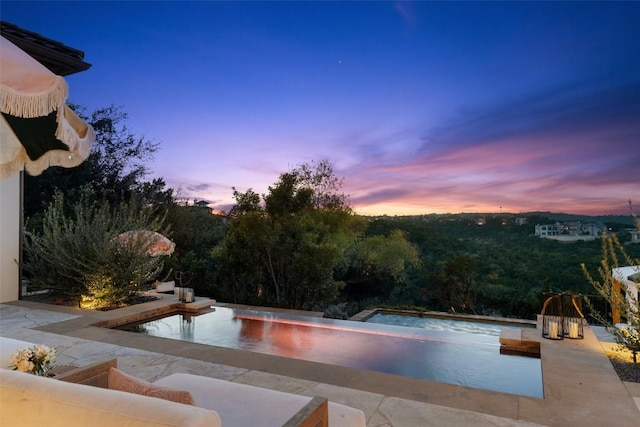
x=449, y=357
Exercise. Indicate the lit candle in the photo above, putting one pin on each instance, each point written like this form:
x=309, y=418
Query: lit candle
x=573, y=329
x=553, y=330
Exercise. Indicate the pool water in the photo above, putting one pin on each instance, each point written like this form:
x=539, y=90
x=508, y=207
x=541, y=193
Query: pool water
x=444, y=356
x=438, y=324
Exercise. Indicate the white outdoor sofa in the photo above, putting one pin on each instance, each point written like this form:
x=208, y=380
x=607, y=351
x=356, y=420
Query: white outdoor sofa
x=81, y=397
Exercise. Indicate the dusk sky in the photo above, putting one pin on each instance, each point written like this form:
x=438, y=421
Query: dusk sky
x=422, y=107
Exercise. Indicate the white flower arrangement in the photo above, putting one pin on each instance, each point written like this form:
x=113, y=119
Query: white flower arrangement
x=35, y=360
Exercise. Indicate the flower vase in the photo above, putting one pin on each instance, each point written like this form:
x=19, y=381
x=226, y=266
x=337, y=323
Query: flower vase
x=42, y=372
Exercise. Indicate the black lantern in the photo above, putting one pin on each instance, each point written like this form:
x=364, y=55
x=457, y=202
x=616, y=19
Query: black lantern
x=553, y=318
x=573, y=317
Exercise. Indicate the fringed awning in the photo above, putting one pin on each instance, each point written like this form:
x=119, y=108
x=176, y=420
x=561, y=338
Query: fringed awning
x=37, y=128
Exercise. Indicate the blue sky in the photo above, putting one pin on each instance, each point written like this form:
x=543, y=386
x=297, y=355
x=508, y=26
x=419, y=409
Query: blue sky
x=422, y=107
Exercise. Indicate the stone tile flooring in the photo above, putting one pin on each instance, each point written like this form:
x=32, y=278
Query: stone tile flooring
x=588, y=395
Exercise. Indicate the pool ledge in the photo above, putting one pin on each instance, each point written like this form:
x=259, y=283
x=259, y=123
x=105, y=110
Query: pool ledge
x=511, y=342
x=364, y=315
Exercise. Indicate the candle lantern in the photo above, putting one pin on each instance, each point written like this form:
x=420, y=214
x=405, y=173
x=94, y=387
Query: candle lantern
x=180, y=292
x=573, y=317
x=552, y=318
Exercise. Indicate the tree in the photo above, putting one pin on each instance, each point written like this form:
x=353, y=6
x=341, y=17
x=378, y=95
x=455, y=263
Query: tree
x=78, y=254
x=240, y=260
x=194, y=230
x=154, y=194
x=282, y=249
x=245, y=203
x=325, y=187
x=114, y=170
x=454, y=284
x=627, y=334
x=379, y=263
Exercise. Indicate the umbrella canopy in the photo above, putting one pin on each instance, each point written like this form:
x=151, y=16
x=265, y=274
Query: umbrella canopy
x=37, y=128
x=157, y=243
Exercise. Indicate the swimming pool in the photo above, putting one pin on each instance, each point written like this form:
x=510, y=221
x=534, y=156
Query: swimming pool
x=440, y=324
x=448, y=357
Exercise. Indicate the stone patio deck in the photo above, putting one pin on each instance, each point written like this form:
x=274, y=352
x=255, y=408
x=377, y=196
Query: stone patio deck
x=580, y=385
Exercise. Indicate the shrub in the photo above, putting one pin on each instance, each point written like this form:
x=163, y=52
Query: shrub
x=336, y=311
x=78, y=255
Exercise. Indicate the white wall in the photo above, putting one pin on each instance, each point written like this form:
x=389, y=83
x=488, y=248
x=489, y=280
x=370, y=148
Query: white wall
x=621, y=274
x=9, y=237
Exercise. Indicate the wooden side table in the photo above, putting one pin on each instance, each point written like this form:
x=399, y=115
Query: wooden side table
x=95, y=374
x=60, y=369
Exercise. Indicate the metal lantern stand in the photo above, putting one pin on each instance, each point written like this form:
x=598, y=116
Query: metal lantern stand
x=573, y=317
x=185, y=294
x=552, y=318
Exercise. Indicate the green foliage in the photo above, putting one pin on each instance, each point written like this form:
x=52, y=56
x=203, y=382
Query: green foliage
x=387, y=256
x=114, y=170
x=454, y=284
x=513, y=267
x=78, y=254
x=284, y=250
x=378, y=265
x=194, y=231
x=614, y=255
x=336, y=311
x=325, y=187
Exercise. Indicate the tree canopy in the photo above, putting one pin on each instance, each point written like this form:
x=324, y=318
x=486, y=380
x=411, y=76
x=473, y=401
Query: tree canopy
x=282, y=248
x=115, y=169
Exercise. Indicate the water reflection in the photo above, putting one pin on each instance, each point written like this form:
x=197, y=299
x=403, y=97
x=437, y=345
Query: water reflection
x=437, y=324
x=449, y=357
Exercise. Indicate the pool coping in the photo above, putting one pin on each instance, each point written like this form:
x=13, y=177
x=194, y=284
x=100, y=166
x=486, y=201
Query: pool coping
x=365, y=315
x=580, y=383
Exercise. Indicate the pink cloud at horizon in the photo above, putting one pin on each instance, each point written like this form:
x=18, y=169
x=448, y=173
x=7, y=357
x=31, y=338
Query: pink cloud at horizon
x=516, y=176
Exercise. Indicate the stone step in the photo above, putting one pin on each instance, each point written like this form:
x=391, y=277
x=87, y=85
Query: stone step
x=511, y=342
x=197, y=305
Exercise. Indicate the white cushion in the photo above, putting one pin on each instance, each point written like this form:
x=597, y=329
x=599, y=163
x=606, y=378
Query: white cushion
x=30, y=400
x=8, y=346
x=244, y=405
x=165, y=286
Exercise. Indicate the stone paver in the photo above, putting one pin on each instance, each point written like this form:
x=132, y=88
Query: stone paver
x=581, y=387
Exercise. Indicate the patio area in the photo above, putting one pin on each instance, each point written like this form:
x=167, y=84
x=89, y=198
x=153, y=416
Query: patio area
x=581, y=387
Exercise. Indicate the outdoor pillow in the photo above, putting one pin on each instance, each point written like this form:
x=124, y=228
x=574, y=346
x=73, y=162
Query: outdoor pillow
x=118, y=380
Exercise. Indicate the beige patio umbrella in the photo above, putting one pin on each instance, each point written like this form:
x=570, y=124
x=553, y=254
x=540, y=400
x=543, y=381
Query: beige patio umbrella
x=156, y=243
x=37, y=128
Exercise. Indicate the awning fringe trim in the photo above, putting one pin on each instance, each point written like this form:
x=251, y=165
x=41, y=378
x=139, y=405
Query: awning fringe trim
x=30, y=105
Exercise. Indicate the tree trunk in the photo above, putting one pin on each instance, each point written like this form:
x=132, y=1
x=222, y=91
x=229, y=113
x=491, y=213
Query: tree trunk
x=273, y=275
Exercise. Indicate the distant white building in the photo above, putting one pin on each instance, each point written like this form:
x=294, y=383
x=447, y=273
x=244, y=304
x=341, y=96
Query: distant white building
x=572, y=228
x=594, y=229
x=548, y=230
x=570, y=231
x=521, y=221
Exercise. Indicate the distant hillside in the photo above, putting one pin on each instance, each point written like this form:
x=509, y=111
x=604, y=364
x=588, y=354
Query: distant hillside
x=552, y=216
x=618, y=219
